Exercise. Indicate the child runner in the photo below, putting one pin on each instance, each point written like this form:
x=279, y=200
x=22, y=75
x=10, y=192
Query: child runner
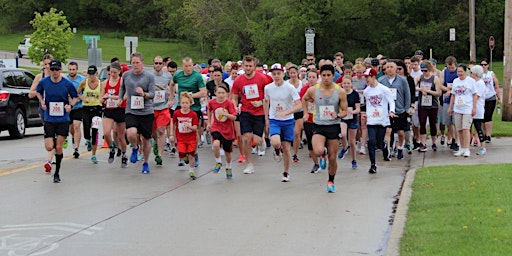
x=349, y=124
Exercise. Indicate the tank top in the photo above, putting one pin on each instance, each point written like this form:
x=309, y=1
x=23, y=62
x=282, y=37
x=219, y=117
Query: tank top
x=490, y=92
x=324, y=105
x=93, y=96
x=434, y=101
x=113, y=90
x=298, y=89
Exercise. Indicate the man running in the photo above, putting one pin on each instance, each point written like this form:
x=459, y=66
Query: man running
x=76, y=114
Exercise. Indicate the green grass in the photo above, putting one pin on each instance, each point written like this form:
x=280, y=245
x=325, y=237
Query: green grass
x=460, y=210
x=500, y=128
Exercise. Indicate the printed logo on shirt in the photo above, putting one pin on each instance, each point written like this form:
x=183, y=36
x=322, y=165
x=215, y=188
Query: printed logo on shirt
x=460, y=89
x=375, y=100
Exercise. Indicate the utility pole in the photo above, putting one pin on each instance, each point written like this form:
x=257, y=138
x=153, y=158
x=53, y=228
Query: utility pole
x=472, y=44
x=507, y=60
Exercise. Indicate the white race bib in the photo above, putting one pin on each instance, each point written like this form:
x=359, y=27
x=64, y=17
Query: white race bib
x=251, y=91
x=325, y=112
x=459, y=101
x=375, y=114
x=111, y=103
x=159, y=96
x=96, y=121
x=56, y=109
x=349, y=116
x=182, y=128
x=393, y=92
x=137, y=102
x=426, y=100
x=278, y=107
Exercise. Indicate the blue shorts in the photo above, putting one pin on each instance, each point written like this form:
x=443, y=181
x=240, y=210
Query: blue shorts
x=351, y=124
x=284, y=128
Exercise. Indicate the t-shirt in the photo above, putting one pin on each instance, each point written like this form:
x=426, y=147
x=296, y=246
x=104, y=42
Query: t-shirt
x=311, y=105
x=189, y=83
x=251, y=90
x=220, y=123
x=56, y=96
x=480, y=88
x=463, y=91
x=489, y=84
x=136, y=104
x=76, y=82
x=352, y=100
x=161, y=90
x=183, y=133
x=229, y=81
x=379, y=102
x=281, y=99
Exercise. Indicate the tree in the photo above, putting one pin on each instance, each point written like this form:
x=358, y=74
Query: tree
x=52, y=35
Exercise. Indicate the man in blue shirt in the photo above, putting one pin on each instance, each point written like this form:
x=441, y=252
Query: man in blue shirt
x=76, y=114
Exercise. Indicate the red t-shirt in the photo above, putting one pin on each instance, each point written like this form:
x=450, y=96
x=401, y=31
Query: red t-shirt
x=220, y=123
x=303, y=91
x=182, y=133
x=251, y=90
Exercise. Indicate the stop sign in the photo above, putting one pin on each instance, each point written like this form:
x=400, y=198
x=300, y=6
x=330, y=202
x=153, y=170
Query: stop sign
x=491, y=42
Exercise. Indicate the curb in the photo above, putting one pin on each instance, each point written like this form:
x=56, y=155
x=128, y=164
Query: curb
x=397, y=230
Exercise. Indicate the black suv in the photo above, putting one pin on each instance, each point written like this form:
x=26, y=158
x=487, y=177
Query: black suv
x=17, y=111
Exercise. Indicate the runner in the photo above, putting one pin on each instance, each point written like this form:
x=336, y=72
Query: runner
x=294, y=80
x=477, y=72
x=330, y=104
x=492, y=97
x=170, y=146
x=76, y=114
x=349, y=124
x=308, y=120
x=114, y=115
x=56, y=107
x=139, y=88
x=447, y=76
x=359, y=84
x=185, y=124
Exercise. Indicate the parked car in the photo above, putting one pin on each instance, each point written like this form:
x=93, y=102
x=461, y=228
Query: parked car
x=23, y=47
x=17, y=110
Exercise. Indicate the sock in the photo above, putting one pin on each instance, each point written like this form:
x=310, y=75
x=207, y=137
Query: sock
x=331, y=178
x=191, y=170
x=228, y=165
x=218, y=160
x=58, y=161
x=123, y=154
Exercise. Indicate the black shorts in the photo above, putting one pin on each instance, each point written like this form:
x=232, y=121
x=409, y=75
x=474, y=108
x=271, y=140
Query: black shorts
x=252, y=124
x=143, y=123
x=400, y=122
x=308, y=130
x=76, y=115
x=116, y=114
x=227, y=145
x=298, y=115
x=489, y=110
x=51, y=130
x=330, y=132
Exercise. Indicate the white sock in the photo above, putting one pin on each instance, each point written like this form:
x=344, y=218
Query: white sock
x=218, y=160
x=228, y=165
x=191, y=170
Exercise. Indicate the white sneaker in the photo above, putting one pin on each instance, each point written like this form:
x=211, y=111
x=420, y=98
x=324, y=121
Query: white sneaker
x=254, y=150
x=459, y=153
x=362, y=151
x=249, y=169
x=286, y=177
x=261, y=150
x=467, y=153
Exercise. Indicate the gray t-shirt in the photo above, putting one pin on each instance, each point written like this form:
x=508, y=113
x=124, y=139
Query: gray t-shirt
x=146, y=81
x=161, y=90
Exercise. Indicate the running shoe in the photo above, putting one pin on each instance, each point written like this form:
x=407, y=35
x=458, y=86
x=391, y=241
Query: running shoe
x=295, y=159
x=76, y=155
x=277, y=154
x=261, y=149
x=200, y=144
x=56, y=178
x=124, y=162
x=48, y=167
x=481, y=151
x=173, y=151
x=434, y=147
x=373, y=169
x=330, y=187
x=385, y=153
x=181, y=162
x=217, y=167
x=111, y=155
x=241, y=159
x=249, y=169
x=254, y=150
x=475, y=142
x=133, y=157
x=362, y=151
x=354, y=164
x=192, y=175
x=442, y=139
x=229, y=173
x=409, y=149
x=89, y=145
x=467, y=153
x=94, y=159
x=315, y=168
x=185, y=159
x=342, y=152
x=459, y=153
x=140, y=155
x=158, y=160
x=65, y=145
x=208, y=138
x=400, y=154
x=286, y=177
x=323, y=160
x=423, y=148
x=119, y=153
x=155, y=148
x=145, y=168
x=455, y=147
x=196, y=157
x=488, y=139
x=167, y=147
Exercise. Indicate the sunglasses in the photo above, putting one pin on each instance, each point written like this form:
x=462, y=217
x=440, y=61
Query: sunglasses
x=399, y=68
x=310, y=59
x=484, y=64
x=424, y=70
x=210, y=71
x=159, y=63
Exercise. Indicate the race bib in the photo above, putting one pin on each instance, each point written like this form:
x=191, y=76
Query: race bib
x=325, y=112
x=393, y=92
x=137, y=102
x=251, y=91
x=459, y=101
x=278, y=107
x=361, y=99
x=56, y=109
x=349, y=116
x=184, y=129
x=159, y=96
x=96, y=121
x=375, y=114
x=111, y=103
x=220, y=114
x=426, y=100
x=311, y=107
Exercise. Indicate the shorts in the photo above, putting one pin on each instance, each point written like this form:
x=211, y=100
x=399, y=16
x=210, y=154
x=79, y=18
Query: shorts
x=330, y=132
x=252, y=124
x=308, y=130
x=400, y=123
x=284, y=128
x=76, y=115
x=298, y=115
x=116, y=114
x=351, y=124
x=445, y=118
x=186, y=148
x=227, y=145
x=162, y=118
x=143, y=124
x=462, y=121
x=51, y=130
x=489, y=110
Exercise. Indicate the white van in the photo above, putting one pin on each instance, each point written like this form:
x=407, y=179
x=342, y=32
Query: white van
x=23, y=47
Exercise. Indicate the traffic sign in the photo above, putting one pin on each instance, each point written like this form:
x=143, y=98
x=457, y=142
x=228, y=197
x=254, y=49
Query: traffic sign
x=491, y=43
x=452, y=34
x=88, y=39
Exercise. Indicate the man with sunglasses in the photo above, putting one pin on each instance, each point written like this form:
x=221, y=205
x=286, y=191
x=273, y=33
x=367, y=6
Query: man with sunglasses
x=161, y=102
x=56, y=107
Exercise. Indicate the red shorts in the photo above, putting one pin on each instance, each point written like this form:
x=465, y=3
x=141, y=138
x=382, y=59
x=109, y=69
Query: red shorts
x=162, y=118
x=186, y=148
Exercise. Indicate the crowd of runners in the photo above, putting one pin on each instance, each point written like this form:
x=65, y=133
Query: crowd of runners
x=333, y=107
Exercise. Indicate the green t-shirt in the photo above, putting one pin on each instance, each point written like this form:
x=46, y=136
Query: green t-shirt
x=191, y=83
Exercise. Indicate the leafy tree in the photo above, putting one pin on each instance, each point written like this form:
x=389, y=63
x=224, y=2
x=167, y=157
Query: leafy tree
x=52, y=35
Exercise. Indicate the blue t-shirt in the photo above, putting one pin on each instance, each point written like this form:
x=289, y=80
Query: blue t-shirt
x=57, y=94
x=79, y=78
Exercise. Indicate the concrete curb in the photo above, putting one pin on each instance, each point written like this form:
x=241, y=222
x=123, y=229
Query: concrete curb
x=397, y=230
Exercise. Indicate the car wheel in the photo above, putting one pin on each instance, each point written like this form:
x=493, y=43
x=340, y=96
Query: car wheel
x=20, y=54
x=17, y=131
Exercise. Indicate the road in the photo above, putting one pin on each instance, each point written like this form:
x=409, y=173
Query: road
x=25, y=62
x=105, y=210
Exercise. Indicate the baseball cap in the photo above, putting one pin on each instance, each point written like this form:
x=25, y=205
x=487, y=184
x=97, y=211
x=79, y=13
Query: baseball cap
x=203, y=65
x=375, y=62
x=276, y=66
x=370, y=72
x=265, y=66
x=55, y=64
x=418, y=52
x=91, y=70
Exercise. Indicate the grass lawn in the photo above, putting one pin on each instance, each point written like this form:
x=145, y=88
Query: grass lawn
x=460, y=210
x=500, y=128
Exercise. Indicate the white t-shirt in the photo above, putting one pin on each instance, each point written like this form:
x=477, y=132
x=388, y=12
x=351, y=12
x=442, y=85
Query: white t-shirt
x=489, y=84
x=414, y=74
x=229, y=81
x=480, y=91
x=281, y=99
x=379, y=102
x=463, y=91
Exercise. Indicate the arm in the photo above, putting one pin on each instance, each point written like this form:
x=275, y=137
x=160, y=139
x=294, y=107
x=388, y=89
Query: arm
x=437, y=86
x=357, y=110
x=475, y=101
x=343, y=105
x=32, y=93
x=305, y=99
x=496, y=87
x=171, y=94
x=450, y=107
